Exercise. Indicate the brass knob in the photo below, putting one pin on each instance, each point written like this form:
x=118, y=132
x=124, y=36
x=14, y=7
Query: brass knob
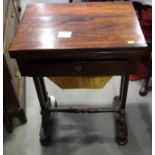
x=78, y=68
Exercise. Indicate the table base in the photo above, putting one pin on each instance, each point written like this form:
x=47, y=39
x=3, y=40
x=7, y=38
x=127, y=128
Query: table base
x=49, y=107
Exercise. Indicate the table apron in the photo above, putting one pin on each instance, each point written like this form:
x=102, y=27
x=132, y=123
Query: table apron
x=78, y=68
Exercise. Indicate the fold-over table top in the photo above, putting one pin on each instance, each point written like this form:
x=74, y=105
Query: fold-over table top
x=63, y=27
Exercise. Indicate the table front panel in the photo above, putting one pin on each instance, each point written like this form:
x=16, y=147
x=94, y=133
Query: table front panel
x=78, y=68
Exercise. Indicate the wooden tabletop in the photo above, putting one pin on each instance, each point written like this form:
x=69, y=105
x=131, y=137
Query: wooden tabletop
x=105, y=26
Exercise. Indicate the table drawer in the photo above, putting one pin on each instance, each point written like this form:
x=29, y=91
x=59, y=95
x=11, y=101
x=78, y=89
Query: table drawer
x=79, y=68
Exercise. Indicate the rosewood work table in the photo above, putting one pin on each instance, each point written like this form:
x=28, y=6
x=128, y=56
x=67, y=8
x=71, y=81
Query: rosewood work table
x=79, y=39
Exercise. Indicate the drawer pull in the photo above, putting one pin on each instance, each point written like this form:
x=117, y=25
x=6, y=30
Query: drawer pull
x=78, y=68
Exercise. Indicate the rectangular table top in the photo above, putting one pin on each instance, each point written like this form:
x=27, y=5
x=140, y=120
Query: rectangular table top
x=99, y=26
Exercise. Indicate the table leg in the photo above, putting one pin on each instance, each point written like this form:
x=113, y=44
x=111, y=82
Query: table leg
x=7, y=120
x=119, y=117
x=121, y=88
x=45, y=104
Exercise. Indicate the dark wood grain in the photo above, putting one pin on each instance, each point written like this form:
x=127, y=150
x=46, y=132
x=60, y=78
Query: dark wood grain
x=94, y=26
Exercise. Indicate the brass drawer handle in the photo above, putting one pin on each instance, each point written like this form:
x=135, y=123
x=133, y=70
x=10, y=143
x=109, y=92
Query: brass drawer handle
x=78, y=68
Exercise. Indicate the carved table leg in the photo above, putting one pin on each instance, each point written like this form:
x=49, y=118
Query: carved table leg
x=46, y=104
x=120, y=118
